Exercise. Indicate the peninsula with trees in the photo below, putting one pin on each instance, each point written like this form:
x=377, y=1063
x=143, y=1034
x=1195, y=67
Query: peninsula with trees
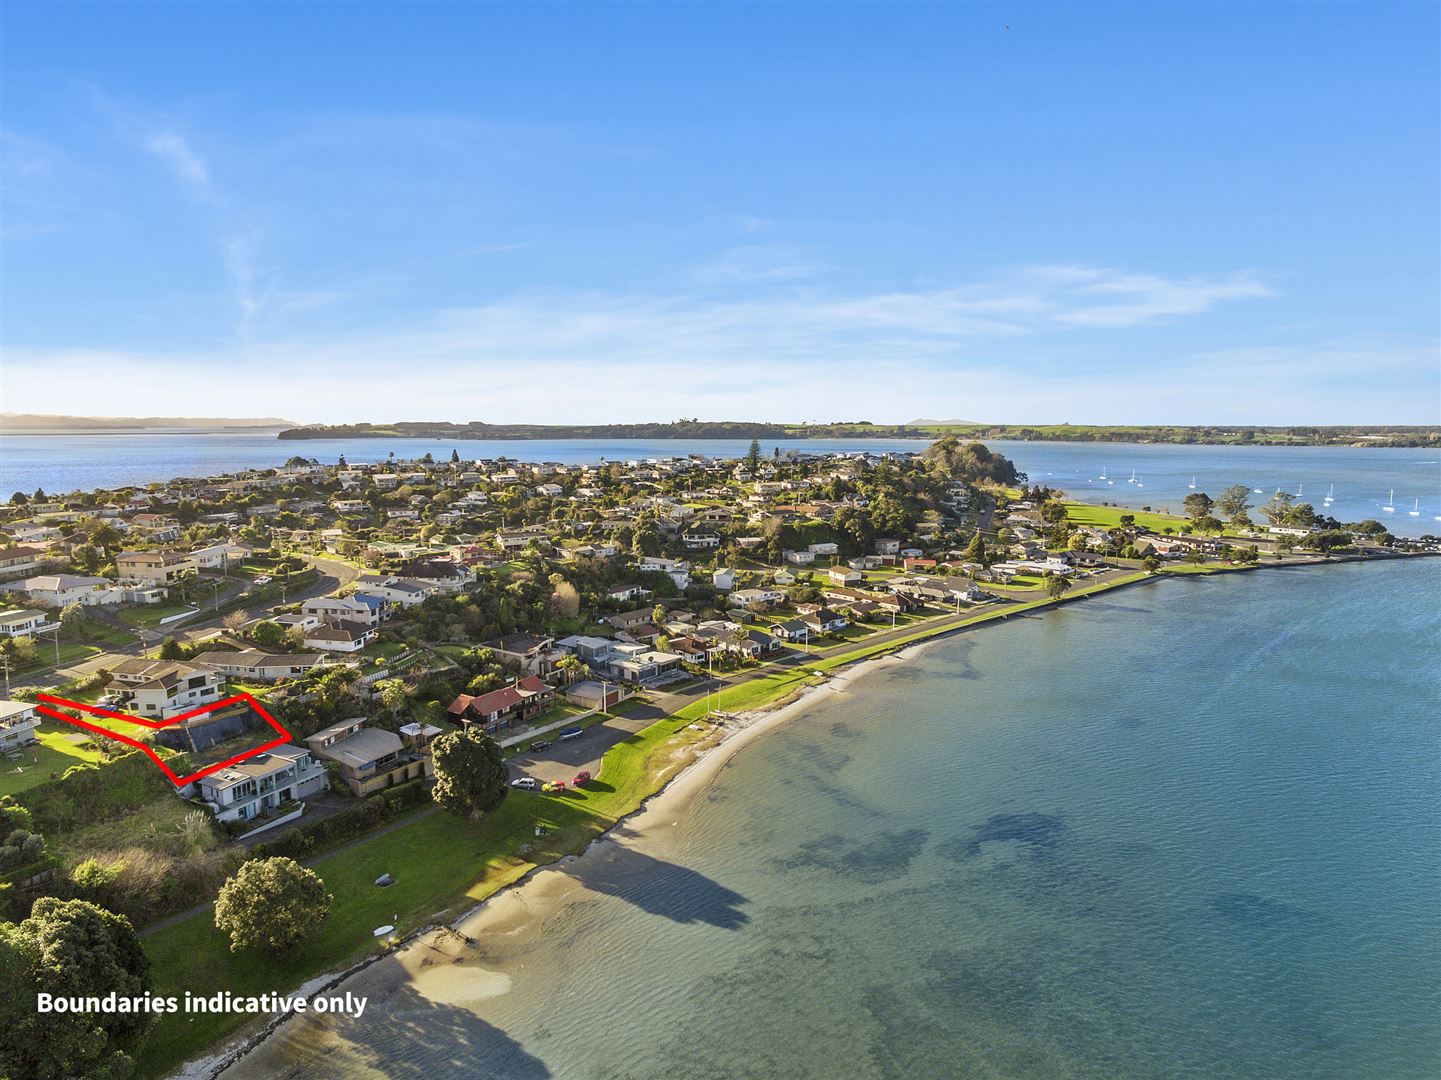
x=428, y=632
x=1302, y=435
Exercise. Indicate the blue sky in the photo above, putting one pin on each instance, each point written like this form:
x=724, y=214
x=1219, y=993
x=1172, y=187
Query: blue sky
x=1086, y=213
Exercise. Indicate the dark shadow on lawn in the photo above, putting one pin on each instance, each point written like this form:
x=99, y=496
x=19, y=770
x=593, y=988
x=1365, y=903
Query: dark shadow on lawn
x=661, y=888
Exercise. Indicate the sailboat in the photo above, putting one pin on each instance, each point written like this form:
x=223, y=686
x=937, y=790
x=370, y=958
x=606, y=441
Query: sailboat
x=1331, y=495
x=1415, y=511
x=1139, y=483
x=1300, y=488
x=1192, y=484
x=1103, y=472
x=1133, y=477
x=1256, y=491
x=1390, y=499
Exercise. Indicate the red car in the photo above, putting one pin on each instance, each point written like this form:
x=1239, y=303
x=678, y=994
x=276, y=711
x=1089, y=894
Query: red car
x=580, y=778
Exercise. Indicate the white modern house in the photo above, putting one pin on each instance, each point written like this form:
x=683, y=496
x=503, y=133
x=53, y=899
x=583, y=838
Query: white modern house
x=164, y=688
x=18, y=721
x=26, y=622
x=251, y=787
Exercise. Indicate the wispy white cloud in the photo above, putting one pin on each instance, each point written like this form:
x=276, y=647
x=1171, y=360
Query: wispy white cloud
x=175, y=151
x=985, y=347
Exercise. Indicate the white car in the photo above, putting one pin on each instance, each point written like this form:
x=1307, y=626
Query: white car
x=525, y=783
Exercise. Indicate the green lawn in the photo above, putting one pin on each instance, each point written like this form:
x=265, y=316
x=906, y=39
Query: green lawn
x=478, y=858
x=443, y=864
x=1109, y=517
x=148, y=616
x=57, y=750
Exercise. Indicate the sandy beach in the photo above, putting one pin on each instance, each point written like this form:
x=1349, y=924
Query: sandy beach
x=463, y=965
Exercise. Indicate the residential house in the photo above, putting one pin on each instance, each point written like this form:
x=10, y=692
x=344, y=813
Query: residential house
x=371, y=759
x=800, y=558
x=156, y=567
x=628, y=620
x=393, y=590
x=22, y=559
x=677, y=569
x=724, y=579
x=354, y=609
x=746, y=597
x=58, y=590
x=164, y=688
x=25, y=623
x=630, y=592
x=220, y=556
x=260, y=784
x=825, y=621
x=340, y=636
x=531, y=653
x=18, y=721
x=844, y=575
x=257, y=666
x=637, y=663
x=523, y=700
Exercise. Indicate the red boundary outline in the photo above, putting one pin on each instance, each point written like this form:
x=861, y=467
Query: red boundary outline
x=178, y=781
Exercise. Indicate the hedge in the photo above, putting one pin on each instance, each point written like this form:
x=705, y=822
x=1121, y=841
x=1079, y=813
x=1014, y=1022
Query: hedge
x=352, y=822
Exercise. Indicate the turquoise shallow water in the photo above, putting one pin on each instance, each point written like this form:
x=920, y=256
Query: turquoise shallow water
x=1189, y=829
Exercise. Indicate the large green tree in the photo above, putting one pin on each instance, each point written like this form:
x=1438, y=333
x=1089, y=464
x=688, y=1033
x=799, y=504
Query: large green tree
x=470, y=776
x=69, y=948
x=1198, y=504
x=271, y=904
x=1056, y=586
x=1233, y=503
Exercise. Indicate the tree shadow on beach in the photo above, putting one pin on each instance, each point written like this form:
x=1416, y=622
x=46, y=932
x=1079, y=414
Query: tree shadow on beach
x=404, y=1037
x=660, y=888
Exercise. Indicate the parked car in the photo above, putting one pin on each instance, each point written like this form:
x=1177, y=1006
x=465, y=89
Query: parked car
x=581, y=777
x=553, y=785
x=540, y=744
x=571, y=733
x=263, y=579
x=525, y=783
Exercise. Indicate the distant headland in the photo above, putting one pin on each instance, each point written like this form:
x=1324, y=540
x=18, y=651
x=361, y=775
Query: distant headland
x=44, y=423
x=1307, y=435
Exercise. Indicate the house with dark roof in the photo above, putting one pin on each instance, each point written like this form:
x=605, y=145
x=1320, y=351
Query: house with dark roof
x=523, y=700
x=371, y=759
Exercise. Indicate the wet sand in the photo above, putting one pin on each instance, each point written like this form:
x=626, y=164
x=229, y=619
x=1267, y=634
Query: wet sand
x=463, y=965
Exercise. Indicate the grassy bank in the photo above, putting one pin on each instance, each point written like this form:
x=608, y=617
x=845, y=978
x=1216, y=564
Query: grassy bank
x=442, y=864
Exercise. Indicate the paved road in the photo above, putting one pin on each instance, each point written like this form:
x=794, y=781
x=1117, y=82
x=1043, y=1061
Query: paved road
x=332, y=577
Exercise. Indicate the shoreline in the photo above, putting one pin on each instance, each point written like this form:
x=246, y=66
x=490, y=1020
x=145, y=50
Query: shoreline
x=517, y=901
x=511, y=904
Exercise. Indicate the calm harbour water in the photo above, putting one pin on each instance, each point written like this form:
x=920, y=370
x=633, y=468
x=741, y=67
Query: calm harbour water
x=1161, y=833
x=1362, y=478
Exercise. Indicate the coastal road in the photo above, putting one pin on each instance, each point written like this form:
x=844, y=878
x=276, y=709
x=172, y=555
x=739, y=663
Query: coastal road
x=562, y=760
x=332, y=576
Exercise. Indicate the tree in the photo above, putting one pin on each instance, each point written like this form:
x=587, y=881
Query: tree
x=1233, y=504
x=170, y=649
x=69, y=948
x=19, y=498
x=234, y=621
x=1198, y=505
x=455, y=457
x=268, y=634
x=392, y=694
x=573, y=667
x=1278, y=508
x=1056, y=585
x=470, y=776
x=753, y=457
x=271, y=904
x=657, y=614
x=1053, y=513
x=975, y=551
